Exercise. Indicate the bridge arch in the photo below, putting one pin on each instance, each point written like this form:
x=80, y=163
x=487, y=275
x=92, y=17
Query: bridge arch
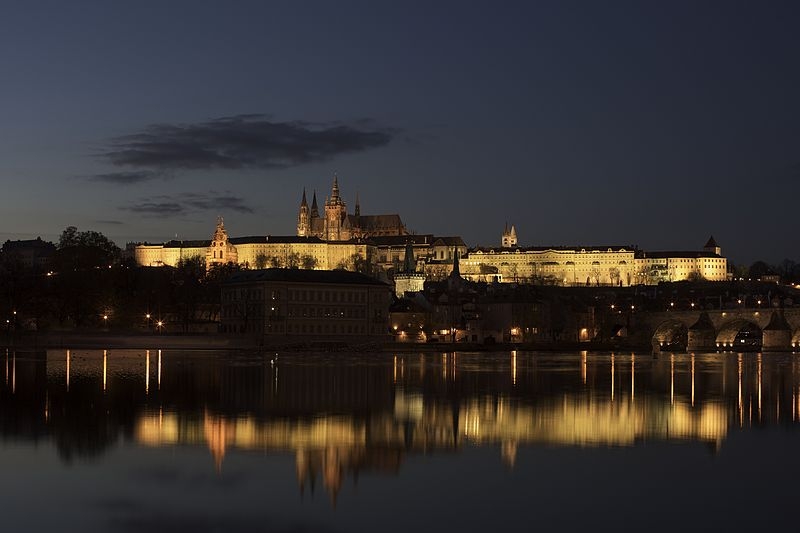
x=671, y=335
x=740, y=334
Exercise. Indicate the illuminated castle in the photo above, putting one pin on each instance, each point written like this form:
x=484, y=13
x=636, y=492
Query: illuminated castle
x=337, y=225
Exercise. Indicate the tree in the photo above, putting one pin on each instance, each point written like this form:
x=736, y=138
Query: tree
x=293, y=260
x=308, y=262
x=80, y=250
x=695, y=275
x=613, y=274
x=262, y=260
x=758, y=270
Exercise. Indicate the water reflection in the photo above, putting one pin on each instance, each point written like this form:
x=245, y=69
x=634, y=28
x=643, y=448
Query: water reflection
x=339, y=415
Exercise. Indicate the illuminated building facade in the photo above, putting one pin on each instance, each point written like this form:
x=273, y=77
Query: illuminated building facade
x=592, y=265
x=335, y=224
x=256, y=251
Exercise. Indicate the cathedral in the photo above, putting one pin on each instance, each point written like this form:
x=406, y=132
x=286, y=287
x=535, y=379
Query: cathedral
x=337, y=225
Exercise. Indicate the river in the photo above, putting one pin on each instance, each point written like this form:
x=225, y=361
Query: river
x=167, y=440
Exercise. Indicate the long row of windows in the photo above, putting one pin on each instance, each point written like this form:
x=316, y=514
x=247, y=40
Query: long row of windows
x=327, y=296
x=327, y=312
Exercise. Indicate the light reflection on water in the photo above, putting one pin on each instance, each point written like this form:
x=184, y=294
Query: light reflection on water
x=315, y=421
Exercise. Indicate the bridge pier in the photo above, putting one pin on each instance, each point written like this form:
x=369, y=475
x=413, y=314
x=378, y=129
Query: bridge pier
x=777, y=335
x=702, y=335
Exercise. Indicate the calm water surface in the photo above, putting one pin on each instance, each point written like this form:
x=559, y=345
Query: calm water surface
x=138, y=440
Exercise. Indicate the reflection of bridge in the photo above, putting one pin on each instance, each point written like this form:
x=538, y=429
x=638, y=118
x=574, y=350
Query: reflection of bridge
x=725, y=329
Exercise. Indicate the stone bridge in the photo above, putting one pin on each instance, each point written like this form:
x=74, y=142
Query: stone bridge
x=738, y=329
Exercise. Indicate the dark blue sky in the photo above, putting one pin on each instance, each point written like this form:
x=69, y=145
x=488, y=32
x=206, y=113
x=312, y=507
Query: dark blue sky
x=649, y=123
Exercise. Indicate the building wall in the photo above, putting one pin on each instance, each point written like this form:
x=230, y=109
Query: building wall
x=305, y=310
x=588, y=266
x=565, y=267
x=655, y=269
x=328, y=256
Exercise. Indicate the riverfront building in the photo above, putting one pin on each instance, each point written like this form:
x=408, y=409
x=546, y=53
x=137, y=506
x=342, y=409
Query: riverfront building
x=305, y=304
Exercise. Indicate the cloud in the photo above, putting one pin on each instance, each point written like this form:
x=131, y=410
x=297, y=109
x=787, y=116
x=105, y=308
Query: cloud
x=110, y=222
x=163, y=206
x=239, y=142
x=127, y=177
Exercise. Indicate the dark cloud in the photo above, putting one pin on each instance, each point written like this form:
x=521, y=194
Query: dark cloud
x=243, y=141
x=127, y=177
x=180, y=204
x=109, y=222
x=157, y=209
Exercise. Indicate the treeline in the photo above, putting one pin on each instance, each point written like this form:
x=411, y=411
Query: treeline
x=787, y=271
x=86, y=284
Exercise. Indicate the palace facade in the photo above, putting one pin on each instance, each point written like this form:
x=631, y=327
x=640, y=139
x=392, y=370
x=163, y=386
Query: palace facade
x=257, y=251
x=591, y=265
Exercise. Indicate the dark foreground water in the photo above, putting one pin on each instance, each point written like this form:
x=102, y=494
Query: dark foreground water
x=136, y=440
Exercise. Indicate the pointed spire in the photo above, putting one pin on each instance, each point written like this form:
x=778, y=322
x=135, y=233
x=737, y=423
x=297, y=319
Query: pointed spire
x=358, y=206
x=303, y=203
x=335, y=190
x=456, y=270
x=314, y=208
x=409, y=265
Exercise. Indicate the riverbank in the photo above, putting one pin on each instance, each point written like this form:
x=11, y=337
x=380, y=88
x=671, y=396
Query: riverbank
x=201, y=341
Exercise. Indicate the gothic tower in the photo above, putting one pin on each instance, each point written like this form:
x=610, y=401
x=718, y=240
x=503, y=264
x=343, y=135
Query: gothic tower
x=314, y=208
x=335, y=214
x=304, y=218
x=409, y=280
x=509, y=239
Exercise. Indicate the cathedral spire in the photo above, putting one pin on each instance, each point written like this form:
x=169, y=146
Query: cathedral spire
x=335, y=190
x=314, y=208
x=358, y=206
x=303, y=203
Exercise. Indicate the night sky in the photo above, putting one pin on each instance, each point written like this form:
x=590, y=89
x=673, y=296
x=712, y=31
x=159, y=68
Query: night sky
x=647, y=123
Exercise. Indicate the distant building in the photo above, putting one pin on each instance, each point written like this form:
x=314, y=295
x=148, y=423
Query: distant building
x=256, y=251
x=32, y=253
x=337, y=225
x=408, y=279
x=708, y=264
x=509, y=239
x=305, y=304
x=590, y=265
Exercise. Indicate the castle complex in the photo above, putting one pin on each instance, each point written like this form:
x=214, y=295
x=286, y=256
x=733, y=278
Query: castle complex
x=338, y=239
x=338, y=225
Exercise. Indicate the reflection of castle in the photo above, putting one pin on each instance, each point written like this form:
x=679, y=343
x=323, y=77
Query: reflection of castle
x=421, y=404
x=337, y=225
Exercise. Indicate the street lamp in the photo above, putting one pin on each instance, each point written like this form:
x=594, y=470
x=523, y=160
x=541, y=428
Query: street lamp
x=159, y=325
